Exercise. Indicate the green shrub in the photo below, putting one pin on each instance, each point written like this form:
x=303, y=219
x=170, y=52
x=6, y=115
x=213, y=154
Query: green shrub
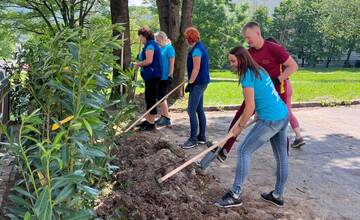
x=62, y=146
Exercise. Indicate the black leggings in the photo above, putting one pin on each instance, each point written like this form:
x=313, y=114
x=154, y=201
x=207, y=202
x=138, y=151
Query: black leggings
x=151, y=94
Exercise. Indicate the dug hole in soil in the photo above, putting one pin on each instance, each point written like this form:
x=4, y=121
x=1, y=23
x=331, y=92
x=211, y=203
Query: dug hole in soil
x=189, y=194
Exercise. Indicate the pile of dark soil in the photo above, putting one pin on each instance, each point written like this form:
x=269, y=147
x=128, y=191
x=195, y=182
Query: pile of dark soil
x=189, y=194
x=136, y=195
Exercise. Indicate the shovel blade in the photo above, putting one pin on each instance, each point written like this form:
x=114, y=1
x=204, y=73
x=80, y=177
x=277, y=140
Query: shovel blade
x=209, y=157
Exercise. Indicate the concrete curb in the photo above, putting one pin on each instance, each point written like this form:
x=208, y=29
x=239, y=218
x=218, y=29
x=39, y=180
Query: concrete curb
x=294, y=105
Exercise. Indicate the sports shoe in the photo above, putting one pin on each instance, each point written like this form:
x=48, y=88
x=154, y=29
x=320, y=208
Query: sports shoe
x=189, y=144
x=268, y=197
x=298, y=142
x=229, y=200
x=163, y=121
x=201, y=140
x=147, y=126
x=141, y=124
x=221, y=155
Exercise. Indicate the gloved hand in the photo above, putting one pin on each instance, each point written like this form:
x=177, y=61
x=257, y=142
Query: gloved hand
x=189, y=87
x=276, y=81
x=169, y=81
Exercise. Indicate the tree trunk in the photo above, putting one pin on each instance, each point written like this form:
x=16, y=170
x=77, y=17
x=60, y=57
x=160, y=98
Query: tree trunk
x=346, y=63
x=120, y=14
x=174, y=27
x=302, y=57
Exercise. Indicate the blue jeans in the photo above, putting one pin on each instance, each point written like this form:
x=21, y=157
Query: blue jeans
x=261, y=133
x=196, y=112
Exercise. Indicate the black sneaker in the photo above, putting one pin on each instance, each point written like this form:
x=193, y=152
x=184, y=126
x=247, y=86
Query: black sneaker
x=268, y=197
x=221, y=155
x=201, y=140
x=141, y=124
x=147, y=126
x=189, y=144
x=298, y=142
x=229, y=200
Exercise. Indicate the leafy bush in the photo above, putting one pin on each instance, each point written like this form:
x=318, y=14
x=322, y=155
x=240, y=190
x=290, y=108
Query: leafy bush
x=62, y=146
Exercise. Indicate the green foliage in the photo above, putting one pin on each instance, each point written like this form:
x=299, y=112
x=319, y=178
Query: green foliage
x=139, y=17
x=319, y=29
x=7, y=42
x=49, y=16
x=219, y=23
x=69, y=78
x=262, y=17
x=339, y=21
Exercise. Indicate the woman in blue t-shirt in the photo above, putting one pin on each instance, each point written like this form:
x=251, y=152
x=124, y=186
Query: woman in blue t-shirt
x=272, y=119
x=167, y=65
x=198, y=79
x=150, y=64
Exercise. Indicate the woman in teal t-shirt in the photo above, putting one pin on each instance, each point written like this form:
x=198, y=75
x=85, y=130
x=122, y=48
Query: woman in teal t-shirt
x=167, y=65
x=272, y=119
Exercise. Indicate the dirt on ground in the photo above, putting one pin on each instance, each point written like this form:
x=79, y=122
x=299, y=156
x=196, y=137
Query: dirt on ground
x=190, y=194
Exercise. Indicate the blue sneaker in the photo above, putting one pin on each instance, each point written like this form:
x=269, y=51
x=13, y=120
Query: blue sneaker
x=229, y=200
x=189, y=144
x=163, y=121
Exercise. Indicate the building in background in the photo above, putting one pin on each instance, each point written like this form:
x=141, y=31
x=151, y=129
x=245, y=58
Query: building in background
x=271, y=4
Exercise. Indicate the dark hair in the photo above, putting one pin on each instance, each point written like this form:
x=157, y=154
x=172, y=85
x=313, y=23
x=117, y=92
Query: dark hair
x=245, y=61
x=250, y=24
x=147, y=33
x=272, y=39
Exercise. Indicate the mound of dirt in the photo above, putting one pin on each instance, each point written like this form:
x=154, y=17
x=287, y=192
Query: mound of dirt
x=189, y=194
x=136, y=195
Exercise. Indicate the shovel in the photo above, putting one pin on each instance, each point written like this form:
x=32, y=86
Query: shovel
x=198, y=156
x=210, y=156
x=154, y=106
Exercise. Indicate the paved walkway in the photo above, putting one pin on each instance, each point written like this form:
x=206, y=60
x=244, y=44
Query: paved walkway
x=6, y=169
x=324, y=174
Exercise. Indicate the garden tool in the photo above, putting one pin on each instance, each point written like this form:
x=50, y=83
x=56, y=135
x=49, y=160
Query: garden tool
x=198, y=156
x=154, y=106
x=210, y=156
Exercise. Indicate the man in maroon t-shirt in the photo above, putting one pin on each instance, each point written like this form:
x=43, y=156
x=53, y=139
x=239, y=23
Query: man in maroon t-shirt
x=280, y=65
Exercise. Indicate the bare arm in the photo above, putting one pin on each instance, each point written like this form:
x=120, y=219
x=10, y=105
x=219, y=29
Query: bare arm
x=196, y=69
x=248, y=112
x=148, y=60
x=171, y=69
x=290, y=68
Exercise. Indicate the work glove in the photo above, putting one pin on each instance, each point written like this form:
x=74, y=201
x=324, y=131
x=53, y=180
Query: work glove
x=276, y=81
x=169, y=81
x=189, y=87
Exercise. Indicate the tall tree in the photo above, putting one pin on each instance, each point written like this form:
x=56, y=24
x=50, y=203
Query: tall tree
x=220, y=26
x=120, y=15
x=294, y=25
x=341, y=20
x=262, y=17
x=42, y=16
x=7, y=42
x=174, y=25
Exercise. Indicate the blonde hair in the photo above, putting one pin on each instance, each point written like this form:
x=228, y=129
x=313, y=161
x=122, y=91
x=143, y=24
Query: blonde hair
x=162, y=35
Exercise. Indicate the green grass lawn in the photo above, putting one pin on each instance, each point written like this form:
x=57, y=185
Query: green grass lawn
x=320, y=84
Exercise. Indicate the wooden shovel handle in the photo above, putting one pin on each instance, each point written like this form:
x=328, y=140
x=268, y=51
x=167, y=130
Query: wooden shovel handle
x=154, y=106
x=203, y=153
